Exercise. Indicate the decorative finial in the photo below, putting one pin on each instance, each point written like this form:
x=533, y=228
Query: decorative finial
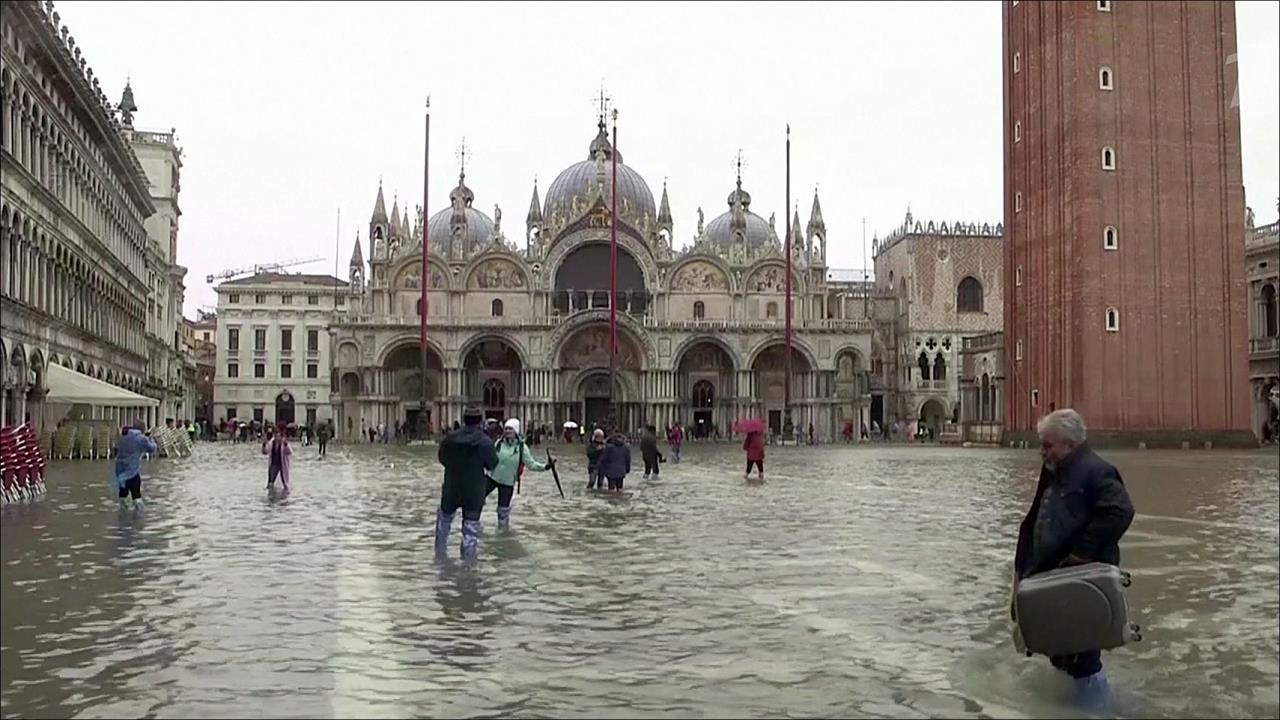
x=603, y=101
x=462, y=159
x=739, y=164
x=428, y=101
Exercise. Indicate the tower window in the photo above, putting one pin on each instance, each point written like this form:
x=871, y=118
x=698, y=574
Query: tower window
x=1017, y=202
x=1017, y=276
x=1108, y=158
x=1035, y=398
x=1017, y=350
x=1017, y=131
x=495, y=308
x=1105, y=79
x=1104, y=5
x=1110, y=238
x=1113, y=320
x=1017, y=62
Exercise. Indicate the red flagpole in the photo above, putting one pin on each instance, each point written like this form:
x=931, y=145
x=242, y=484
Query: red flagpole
x=613, y=269
x=426, y=276
x=786, y=403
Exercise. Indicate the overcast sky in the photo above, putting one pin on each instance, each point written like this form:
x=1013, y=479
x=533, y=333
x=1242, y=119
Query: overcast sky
x=287, y=112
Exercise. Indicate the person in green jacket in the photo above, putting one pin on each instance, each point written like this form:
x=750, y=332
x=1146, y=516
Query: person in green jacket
x=513, y=458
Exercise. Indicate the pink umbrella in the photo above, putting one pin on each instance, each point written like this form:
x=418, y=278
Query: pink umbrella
x=748, y=425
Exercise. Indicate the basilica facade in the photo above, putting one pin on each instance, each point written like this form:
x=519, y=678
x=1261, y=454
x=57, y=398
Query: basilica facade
x=524, y=331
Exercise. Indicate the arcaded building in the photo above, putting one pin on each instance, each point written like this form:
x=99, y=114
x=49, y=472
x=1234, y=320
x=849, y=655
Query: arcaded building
x=1262, y=248
x=1124, y=272
x=521, y=327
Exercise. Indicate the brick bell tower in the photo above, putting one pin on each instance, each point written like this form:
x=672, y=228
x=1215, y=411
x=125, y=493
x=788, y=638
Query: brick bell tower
x=1124, y=268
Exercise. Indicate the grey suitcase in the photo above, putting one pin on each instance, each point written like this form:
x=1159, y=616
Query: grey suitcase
x=1074, y=609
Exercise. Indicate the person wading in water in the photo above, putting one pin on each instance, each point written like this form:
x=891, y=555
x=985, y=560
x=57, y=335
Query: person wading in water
x=513, y=458
x=466, y=454
x=127, y=478
x=279, y=458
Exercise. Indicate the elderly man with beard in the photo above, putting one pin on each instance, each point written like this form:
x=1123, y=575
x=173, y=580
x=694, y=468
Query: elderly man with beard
x=1080, y=511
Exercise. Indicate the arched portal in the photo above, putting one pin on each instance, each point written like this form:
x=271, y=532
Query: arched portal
x=933, y=416
x=284, y=408
x=582, y=281
x=770, y=378
x=584, y=364
x=491, y=377
x=705, y=386
x=402, y=380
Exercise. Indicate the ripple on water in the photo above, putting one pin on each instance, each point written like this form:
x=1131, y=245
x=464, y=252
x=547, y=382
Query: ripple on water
x=856, y=582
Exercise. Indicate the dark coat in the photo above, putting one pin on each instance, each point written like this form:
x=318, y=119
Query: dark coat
x=466, y=453
x=1090, y=513
x=594, y=451
x=615, y=461
x=649, y=447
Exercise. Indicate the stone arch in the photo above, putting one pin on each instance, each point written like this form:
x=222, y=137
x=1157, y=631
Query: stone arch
x=401, y=340
x=411, y=267
x=17, y=362
x=634, y=329
x=470, y=344
x=68, y=363
x=677, y=356
x=348, y=354
x=932, y=414
x=580, y=378
x=496, y=261
x=674, y=274
x=969, y=295
x=4, y=366
x=637, y=250
x=770, y=276
x=349, y=384
x=587, y=346
x=798, y=349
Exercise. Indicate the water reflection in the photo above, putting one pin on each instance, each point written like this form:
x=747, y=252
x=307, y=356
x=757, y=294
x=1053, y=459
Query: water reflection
x=857, y=582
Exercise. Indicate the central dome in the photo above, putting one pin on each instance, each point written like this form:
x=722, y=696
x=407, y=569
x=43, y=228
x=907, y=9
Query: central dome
x=473, y=228
x=579, y=180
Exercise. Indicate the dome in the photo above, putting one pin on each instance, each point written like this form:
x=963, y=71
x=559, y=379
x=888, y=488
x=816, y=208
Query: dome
x=579, y=180
x=477, y=229
x=719, y=234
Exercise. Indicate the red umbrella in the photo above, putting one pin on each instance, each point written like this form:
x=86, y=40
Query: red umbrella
x=748, y=425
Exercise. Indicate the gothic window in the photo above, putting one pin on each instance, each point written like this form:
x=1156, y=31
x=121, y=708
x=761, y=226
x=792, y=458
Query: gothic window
x=923, y=362
x=495, y=308
x=495, y=393
x=939, y=368
x=969, y=295
x=1108, y=158
x=771, y=311
x=1105, y=79
x=699, y=310
x=1113, y=320
x=1110, y=239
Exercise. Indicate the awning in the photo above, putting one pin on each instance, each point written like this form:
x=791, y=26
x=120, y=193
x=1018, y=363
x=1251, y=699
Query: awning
x=68, y=387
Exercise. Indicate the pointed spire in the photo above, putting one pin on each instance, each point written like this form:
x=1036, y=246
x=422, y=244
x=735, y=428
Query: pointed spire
x=395, y=216
x=127, y=106
x=816, y=224
x=535, y=206
x=664, y=208
x=797, y=238
x=379, y=207
x=357, y=256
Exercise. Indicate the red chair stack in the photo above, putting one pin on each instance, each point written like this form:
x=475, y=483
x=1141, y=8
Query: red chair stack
x=22, y=465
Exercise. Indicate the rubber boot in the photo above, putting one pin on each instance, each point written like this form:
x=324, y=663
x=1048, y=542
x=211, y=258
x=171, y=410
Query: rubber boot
x=124, y=503
x=137, y=504
x=444, y=525
x=1092, y=692
x=470, y=541
x=504, y=517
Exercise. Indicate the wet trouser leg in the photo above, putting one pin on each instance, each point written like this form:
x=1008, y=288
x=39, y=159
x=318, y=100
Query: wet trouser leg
x=1081, y=665
x=272, y=473
x=132, y=486
x=471, y=501
x=505, y=492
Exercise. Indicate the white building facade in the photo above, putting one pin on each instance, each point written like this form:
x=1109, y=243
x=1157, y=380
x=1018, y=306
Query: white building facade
x=273, y=348
x=74, y=199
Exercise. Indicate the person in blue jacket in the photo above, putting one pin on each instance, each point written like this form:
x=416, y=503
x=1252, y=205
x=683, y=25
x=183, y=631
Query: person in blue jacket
x=615, y=462
x=127, y=477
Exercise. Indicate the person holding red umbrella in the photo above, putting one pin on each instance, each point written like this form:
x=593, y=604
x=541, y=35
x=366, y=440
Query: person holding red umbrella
x=753, y=444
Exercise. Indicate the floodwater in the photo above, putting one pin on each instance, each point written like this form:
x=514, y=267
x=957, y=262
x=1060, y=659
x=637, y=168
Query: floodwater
x=857, y=582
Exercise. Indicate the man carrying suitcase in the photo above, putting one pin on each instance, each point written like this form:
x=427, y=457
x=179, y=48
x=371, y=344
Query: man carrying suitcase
x=1079, y=513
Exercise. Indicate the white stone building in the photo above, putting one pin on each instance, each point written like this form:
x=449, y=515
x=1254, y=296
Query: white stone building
x=73, y=200
x=273, y=347
x=161, y=160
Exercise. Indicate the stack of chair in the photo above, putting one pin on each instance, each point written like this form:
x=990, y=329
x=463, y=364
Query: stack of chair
x=64, y=441
x=22, y=465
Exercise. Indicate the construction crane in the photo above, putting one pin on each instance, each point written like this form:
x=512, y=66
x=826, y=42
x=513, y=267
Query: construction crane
x=265, y=267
